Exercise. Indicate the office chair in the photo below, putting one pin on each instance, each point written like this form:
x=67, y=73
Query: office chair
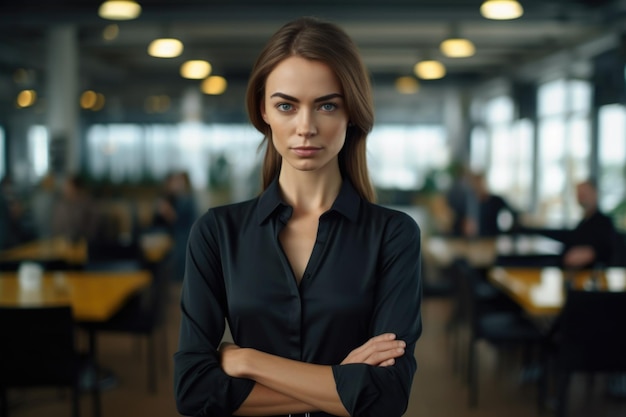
x=500, y=326
x=589, y=337
x=142, y=315
x=38, y=349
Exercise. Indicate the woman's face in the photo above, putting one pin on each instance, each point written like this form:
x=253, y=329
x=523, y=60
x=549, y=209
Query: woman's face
x=305, y=109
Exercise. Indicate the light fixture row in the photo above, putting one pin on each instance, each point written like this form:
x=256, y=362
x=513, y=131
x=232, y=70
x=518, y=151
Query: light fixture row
x=456, y=46
x=490, y=9
x=89, y=100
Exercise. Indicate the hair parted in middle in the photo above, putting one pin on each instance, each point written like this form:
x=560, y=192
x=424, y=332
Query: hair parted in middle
x=325, y=42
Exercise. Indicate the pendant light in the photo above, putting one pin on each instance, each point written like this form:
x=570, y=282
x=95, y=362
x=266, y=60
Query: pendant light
x=501, y=9
x=195, y=69
x=406, y=85
x=457, y=48
x=165, y=48
x=429, y=69
x=119, y=10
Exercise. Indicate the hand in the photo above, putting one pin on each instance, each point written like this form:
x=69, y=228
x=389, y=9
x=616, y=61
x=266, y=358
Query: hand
x=381, y=350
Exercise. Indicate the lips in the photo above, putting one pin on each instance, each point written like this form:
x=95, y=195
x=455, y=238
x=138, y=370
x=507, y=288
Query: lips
x=306, y=151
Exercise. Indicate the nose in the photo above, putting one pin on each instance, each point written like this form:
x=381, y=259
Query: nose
x=306, y=124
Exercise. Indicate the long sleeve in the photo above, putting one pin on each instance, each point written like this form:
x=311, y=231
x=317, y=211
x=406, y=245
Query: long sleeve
x=384, y=391
x=201, y=387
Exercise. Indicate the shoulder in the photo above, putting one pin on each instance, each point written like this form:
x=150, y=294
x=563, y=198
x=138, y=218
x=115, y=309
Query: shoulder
x=394, y=221
x=604, y=219
x=225, y=216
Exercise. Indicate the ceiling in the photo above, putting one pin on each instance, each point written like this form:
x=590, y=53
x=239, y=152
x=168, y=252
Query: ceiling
x=391, y=34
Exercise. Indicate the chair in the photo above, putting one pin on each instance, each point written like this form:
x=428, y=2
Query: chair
x=143, y=315
x=38, y=350
x=498, y=324
x=588, y=338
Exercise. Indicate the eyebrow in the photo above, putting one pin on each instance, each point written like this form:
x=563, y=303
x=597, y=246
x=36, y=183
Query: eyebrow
x=317, y=100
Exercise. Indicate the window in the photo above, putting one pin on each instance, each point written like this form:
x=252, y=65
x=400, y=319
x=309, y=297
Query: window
x=402, y=156
x=612, y=162
x=399, y=156
x=38, y=152
x=564, y=149
x=503, y=149
x=136, y=153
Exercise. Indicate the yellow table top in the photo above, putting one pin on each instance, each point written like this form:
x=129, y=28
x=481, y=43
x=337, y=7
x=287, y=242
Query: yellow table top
x=541, y=291
x=56, y=248
x=93, y=296
x=153, y=246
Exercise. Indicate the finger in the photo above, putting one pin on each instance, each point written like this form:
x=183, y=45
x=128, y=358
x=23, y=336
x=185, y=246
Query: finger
x=382, y=346
x=380, y=357
x=388, y=362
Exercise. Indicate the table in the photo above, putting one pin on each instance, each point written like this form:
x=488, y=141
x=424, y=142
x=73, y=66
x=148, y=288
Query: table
x=541, y=291
x=154, y=248
x=93, y=296
x=47, y=250
x=483, y=252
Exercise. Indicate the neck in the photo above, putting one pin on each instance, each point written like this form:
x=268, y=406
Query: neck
x=309, y=191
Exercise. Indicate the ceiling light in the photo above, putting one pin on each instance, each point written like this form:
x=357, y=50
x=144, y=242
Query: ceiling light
x=406, y=85
x=26, y=98
x=457, y=48
x=165, y=48
x=429, y=70
x=88, y=99
x=195, y=69
x=214, y=85
x=501, y=9
x=119, y=10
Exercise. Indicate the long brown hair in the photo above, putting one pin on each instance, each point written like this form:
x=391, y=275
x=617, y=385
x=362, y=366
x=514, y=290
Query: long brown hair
x=321, y=41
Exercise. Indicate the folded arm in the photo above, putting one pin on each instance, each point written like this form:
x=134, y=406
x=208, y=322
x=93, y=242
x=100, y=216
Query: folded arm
x=288, y=386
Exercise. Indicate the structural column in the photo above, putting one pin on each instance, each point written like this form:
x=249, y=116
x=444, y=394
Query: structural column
x=62, y=99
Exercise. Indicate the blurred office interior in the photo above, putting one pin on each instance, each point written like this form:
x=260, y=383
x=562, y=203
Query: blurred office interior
x=535, y=102
x=538, y=106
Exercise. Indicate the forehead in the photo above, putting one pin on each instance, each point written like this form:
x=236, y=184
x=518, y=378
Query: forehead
x=300, y=76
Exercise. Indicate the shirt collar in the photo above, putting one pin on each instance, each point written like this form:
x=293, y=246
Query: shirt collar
x=347, y=202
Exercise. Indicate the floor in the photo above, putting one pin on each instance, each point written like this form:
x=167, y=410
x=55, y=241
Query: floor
x=438, y=390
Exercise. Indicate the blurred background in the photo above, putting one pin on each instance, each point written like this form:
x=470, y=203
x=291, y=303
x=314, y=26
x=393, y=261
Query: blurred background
x=534, y=100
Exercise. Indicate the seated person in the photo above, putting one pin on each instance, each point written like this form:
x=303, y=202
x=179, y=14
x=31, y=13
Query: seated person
x=592, y=242
x=491, y=210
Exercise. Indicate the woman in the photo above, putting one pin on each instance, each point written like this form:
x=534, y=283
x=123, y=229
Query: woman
x=321, y=288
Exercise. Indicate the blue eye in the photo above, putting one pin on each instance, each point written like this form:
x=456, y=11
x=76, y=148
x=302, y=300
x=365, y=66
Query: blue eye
x=328, y=106
x=284, y=107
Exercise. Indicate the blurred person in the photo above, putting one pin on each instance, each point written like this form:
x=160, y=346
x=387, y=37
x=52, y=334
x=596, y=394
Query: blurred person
x=175, y=213
x=75, y=216
x=42, y=205
x=13, y=229
x=492, y=212
x=321, y=287
x=591, y=242
x=461, y=200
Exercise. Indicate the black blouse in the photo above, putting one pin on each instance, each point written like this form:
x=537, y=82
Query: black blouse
x=362, y=279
